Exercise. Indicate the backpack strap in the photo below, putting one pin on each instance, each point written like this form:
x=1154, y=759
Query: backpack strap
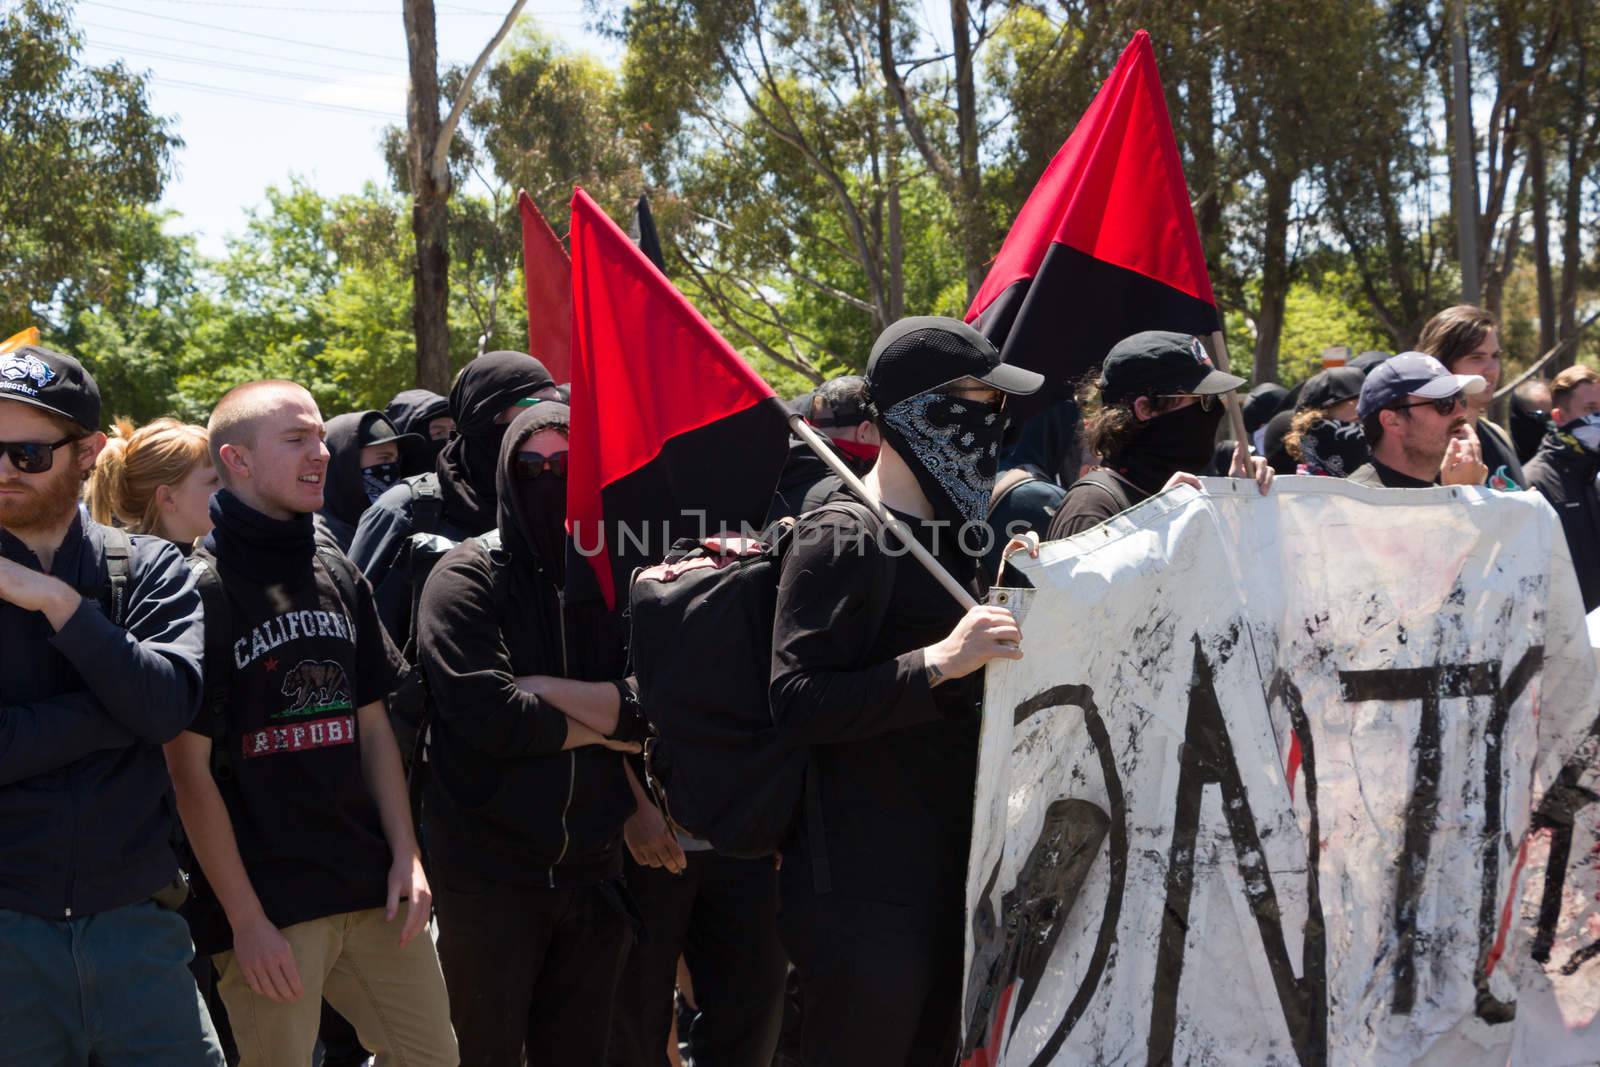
x=342, y=571
x=218, y=666
x=118, y=549
x=427, y=503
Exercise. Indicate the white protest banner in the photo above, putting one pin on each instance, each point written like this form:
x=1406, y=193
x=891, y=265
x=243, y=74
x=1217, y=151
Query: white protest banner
x=1296, y=779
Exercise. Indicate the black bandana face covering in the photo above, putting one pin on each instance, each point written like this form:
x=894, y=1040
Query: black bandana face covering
x=378, y=478
x=952, y=445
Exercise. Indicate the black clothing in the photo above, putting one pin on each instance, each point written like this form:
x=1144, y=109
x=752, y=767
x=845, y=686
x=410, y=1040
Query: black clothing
x=343, y=492
x=1024, y=499
x=1376, y=475
x=1500, y=456
x=259, y=549
x=1272, y=447
x=304, y=663
x=413, y=409
x=1093, y=499
x=721, y=915
x=1049, y=442
x=1528, y=427
x=532, y=967
x=804, y=475
x=1565, y=472
x=502, y=801
x=466, y=471
x=85, y=822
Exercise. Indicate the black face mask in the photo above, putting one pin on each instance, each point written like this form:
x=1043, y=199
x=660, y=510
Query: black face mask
x=952, y=445
x=376, y=479
x=542, y=513
x=1181, y=440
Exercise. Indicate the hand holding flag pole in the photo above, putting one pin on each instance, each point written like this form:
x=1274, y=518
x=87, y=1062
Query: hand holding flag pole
x=1241, y=437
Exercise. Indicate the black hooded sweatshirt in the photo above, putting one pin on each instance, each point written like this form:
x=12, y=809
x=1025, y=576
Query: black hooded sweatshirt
x=413, y=409
x=1564, y=471
x=503, y=802
x=344, y=497
x=466, y=471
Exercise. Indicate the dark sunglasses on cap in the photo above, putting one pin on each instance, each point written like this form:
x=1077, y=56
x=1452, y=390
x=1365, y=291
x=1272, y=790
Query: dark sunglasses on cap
x=1445, y=405
x=34, y=457
x=529, y=465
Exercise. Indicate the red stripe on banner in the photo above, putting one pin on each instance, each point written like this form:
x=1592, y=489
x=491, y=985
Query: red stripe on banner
x=1294, y=762
x=1115, y=191
x=1505, y=911
x=547, y=273
x=647, y=367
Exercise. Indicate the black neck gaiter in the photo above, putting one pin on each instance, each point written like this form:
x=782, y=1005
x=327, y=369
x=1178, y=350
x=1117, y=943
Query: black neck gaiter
x=952, y=446
x=263, y=550
x=1181, y=440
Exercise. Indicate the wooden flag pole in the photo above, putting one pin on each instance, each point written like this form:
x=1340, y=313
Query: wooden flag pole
x=803, y=430
x=1241, y=453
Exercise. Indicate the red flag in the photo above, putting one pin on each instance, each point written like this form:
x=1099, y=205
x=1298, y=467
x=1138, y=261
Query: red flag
x=548, y=274
x=1106, y=245
x=673, y=434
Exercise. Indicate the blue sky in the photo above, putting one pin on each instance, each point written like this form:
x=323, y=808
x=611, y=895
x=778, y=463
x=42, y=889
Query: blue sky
x=264, y=89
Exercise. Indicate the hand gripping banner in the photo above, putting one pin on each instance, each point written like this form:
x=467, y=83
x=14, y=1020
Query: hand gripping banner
x=1306, y=778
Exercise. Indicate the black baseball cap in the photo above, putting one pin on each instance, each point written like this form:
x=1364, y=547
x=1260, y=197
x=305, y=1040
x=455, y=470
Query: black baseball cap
x=1367, y=360
x=376, y=429
x=1396, y=380
x=1263, y=403
x=923, y=352
x=1161, y=363
x=52, y=381
x=1333, y=386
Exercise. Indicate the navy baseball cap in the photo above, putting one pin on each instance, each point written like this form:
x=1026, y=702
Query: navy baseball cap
x=1397, y=379
x=1161, y=363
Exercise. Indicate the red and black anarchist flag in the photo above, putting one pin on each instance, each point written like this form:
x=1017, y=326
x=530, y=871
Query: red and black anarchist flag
x=1106, y=245
x=548, y=275
x=673, y=434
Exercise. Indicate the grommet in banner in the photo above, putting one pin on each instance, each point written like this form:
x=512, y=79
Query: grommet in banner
x=1002, y=598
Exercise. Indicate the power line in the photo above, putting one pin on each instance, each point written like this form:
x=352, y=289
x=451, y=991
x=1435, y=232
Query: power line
x=292, y=75
x=285, y=9
x=246, y=33
x=320, y=64
x=240, y=94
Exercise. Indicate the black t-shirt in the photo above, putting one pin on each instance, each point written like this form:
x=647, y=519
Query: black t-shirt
x=1092, y=499
x=305, y=820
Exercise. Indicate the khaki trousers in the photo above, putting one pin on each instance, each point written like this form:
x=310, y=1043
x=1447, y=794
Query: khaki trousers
x=395, y=998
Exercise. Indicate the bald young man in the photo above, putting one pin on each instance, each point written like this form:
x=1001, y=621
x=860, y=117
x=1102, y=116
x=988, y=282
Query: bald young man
x=312, y=884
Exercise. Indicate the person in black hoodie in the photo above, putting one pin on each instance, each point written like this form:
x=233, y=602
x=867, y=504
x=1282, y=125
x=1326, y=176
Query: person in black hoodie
x=92, y=968
x=367, y=455
x=874, y=667
x=482, y=401
x=526, y=792
x=838, y=408
x=1564, y=470
x=424, y=413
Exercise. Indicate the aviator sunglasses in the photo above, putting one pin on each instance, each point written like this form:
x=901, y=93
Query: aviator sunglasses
x=529, y=465
x=1445, y=405
x=34, y=457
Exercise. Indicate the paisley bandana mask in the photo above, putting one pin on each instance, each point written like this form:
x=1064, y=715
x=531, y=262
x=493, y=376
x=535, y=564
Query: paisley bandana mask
x=377, y=478
x=952, y=445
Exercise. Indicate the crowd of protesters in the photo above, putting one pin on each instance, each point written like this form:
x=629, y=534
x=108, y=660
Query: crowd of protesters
x=304, y=752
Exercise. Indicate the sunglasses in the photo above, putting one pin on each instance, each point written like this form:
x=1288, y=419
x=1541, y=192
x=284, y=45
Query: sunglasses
x=1445, y=405
x=34, y=457
x=1207, y=400
x=529, y=465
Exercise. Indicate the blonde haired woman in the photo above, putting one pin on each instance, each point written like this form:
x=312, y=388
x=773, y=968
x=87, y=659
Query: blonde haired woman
x=155, y=480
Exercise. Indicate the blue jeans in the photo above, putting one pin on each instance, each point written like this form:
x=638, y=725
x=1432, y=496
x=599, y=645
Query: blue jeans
x=112, y=990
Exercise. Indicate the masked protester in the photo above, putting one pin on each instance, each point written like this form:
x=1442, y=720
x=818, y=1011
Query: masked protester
x=1530, y=417
x=368, y=457
x=1160, y=405
x=1564, y=470
x=837, y=409
x=425, y=414
x=459, y=494
x=878, y=669
x=526, y=793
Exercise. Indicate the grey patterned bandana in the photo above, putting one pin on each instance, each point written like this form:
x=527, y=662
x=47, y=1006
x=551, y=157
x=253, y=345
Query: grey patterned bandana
x=952, y=445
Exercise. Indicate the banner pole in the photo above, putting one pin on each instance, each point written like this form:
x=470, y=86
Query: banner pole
x=803, y=430
x=1241, y=437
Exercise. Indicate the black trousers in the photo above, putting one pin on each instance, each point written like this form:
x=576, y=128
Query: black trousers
x=534, y=968
x=721, y=915
x=880, y=985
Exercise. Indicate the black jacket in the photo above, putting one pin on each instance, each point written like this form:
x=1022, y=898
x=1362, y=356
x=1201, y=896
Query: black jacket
x=503, y=801
x=413, y=409
x=1565, y=475
x=85, y=820
x=806, y=480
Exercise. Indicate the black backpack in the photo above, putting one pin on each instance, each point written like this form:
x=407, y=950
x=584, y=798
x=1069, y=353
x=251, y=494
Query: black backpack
x=719, y=766
x=418, y=554
x=218, y=663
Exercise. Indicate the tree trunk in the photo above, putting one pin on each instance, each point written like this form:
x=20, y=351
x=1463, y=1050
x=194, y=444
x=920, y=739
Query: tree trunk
x=895, y=236
x=1541, y=242
x=1464, y=173
x=976, y=237
x=1274, y=278
x=430, y=275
